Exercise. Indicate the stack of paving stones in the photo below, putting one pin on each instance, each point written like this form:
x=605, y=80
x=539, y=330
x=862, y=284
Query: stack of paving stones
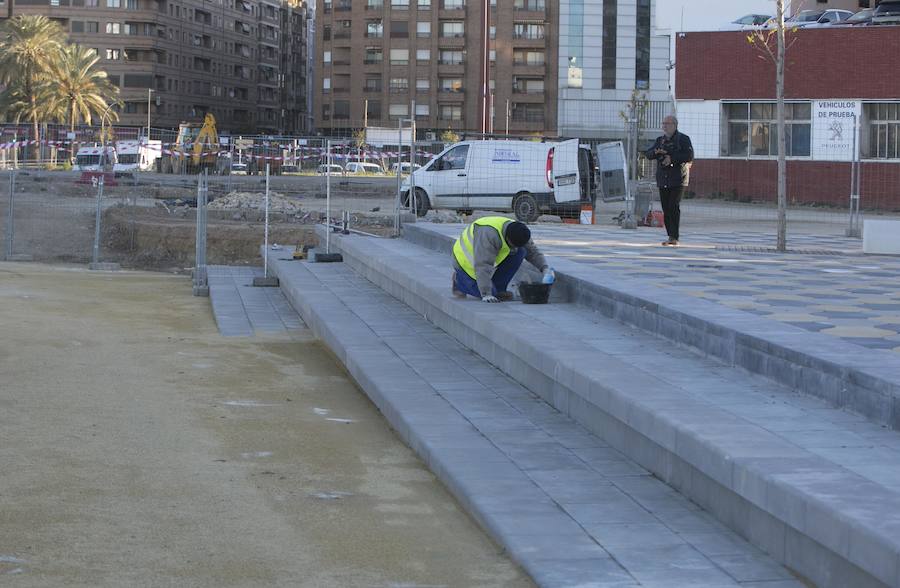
x=813, y=486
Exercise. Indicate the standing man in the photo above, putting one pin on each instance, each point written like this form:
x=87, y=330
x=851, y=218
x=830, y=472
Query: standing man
x=488, y=254
x=673, y=153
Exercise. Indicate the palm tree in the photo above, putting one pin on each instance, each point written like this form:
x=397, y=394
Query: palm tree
x=78, y=89
x=28, y=45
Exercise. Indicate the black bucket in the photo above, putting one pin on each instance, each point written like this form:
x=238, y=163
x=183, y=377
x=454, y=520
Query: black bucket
x=535, y=293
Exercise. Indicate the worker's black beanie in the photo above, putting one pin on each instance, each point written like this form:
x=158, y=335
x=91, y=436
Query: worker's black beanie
x=517, y=234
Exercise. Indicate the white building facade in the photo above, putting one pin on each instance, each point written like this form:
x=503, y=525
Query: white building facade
x=610, y=51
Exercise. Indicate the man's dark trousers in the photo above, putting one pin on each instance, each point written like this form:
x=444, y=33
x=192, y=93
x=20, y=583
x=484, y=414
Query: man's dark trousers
x=671, y=205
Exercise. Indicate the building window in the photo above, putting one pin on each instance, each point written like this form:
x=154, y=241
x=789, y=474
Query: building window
x=398, y=110
x=113, y=3
x=401, y=4
x=610, y=20
x=528, y=113
x=528, y=30
x=423, y=4
x=113, y=54
x=326, y=85
x=399, y=56
x=450, y=112
x=373, y=109
x=326, y=32
x=326, y=111
x=342, y=109
x=91, y=27
x=423, y=85
x=422, y=110
x=423, y=29
x=326, y=57
x=752, y=129
x=882, y=124
x=374, y=55
x=423, y=55
x=374, y=4
x=374, y=29
x=536, y=5
x=524, y=57
x=77, y=26
x=91, y=3
x=373, y=85
x=642, y=59
x=399, y=29
x=399, y=85
x=451, y=85
x=451, y=58
x=131, y=4
x=453, y=4
x=113, y=28
x=528, y=86
x=453, y=29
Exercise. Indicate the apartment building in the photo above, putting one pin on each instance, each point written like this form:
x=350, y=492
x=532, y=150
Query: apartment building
x=453, y=64
x=611, y=56
x=242, y=60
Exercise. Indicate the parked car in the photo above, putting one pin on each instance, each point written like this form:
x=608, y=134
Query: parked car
x=749, y=21
x=335, y=169
x=888, y=12
x=361, y=167
x=816, y=18
x=239, y=168
x=404, y=168
x=861, y=18
x=523, y=177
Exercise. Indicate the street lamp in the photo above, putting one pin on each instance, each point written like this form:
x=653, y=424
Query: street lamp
x=149, y=91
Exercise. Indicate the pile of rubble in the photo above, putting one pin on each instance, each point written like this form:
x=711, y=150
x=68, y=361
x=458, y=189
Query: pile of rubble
x=256, y=201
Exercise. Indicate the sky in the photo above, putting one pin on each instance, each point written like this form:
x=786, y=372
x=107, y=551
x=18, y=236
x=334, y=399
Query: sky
x=700, y=15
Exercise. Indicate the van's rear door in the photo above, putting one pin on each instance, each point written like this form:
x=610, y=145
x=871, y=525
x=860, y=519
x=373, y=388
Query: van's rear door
x=613, y=171
x=566, y=178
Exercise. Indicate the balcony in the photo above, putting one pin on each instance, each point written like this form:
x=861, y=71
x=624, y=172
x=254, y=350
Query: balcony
x=530, y=6
x=372, y=89
x=373, y=61
x=375, y=6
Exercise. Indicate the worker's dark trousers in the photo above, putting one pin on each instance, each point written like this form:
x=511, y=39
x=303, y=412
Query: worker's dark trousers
x=671, y=205
x=502, y=275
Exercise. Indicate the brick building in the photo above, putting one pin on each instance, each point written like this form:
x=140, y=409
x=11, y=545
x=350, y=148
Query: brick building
x=376, y=57
x=243, y=60
x=840, y=106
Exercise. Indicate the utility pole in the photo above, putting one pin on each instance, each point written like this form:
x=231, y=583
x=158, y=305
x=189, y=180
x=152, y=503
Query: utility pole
x=149, y=91
x=781, y=244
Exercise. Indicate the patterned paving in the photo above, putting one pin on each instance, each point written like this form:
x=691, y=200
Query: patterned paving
x=242, y=310
x=835, y=289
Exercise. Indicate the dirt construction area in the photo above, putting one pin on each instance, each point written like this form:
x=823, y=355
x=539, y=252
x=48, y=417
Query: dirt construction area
x=141, y=448
x=148, y=222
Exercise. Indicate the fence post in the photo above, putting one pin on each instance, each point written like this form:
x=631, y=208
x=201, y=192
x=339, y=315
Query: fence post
x=201, y=285
x=855, y=228
x=95, y=257
x=9, y=218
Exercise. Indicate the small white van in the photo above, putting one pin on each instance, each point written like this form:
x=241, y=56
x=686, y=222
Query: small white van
x=361, y=167
x=523, y=177
x=137, y=155
x=95, y=157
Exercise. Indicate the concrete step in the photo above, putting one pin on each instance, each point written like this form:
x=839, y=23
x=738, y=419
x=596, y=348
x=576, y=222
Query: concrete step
x=844, y=374
x=569, y=508
x=813, y=486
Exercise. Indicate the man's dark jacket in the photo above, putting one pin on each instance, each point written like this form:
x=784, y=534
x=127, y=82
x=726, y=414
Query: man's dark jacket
x=681, y=152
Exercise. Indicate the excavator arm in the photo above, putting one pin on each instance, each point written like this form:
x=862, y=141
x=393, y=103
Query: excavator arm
x=206, y=139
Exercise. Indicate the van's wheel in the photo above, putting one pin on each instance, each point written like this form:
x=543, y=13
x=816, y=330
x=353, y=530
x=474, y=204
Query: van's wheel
x=422, y=202
x=526, y=208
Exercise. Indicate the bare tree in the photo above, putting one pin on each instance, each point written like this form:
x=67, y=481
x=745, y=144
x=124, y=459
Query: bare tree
x=762, y=39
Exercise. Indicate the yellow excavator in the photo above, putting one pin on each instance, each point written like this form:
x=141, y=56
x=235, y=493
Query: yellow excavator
x=196, y=149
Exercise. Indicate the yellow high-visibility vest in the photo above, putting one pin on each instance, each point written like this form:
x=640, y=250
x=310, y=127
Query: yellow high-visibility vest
x=464, y=250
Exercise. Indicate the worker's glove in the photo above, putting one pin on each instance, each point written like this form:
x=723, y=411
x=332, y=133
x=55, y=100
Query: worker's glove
x=549, y=276
x=490, y=299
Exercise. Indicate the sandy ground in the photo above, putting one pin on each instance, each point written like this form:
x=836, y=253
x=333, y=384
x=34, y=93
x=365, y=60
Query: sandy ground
x=141, y=448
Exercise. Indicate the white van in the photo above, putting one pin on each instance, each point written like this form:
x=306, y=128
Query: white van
x=361, y=167
x=137, y=155
x=95, y=158
x=404, y=168
x=523, y=177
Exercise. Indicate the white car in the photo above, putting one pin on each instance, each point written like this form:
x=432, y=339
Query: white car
x=747, y=22
x=336, y=170
x=404, y=168
x=523, y=177
x=358, y=167
x=806, y=19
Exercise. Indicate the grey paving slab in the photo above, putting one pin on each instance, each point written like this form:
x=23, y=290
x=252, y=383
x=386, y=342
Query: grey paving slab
x=242, y=310
x=511, y=462
x=673, y=410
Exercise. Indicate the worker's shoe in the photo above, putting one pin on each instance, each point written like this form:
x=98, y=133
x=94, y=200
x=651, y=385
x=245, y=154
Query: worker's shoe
x=504, y=296
x=456, y=291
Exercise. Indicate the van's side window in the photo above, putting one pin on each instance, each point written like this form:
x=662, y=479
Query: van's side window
x=454, y=159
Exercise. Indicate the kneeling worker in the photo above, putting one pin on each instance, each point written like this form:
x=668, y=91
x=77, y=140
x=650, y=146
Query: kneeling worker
x=488, y=254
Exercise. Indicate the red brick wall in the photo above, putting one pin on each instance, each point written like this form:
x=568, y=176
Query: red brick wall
x=823, y=63
x=808, y=181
